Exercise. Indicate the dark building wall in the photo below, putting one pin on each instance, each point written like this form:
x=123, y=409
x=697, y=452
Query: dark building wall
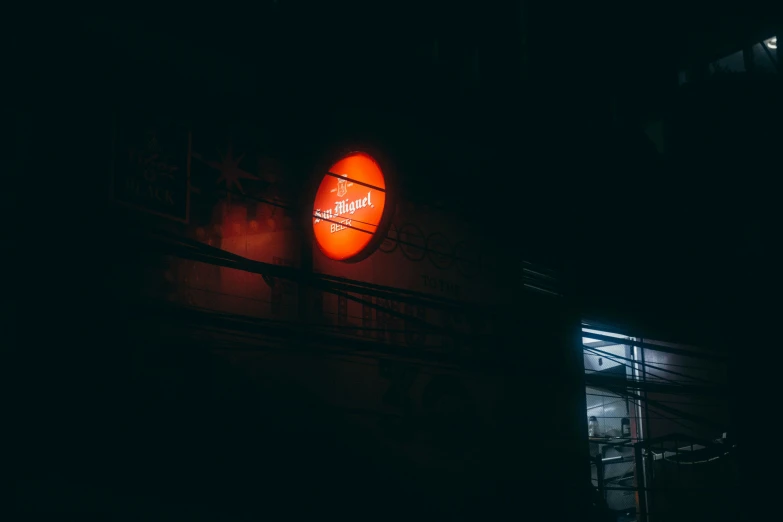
x=106, y=384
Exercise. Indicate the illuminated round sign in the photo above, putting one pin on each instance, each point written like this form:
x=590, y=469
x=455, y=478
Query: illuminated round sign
x=349, y=218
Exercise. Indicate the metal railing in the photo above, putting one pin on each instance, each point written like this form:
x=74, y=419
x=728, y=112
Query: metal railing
x=668, y=478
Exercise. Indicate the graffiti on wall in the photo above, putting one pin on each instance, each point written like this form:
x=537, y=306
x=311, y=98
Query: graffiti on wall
x=437, y=248
x=151, y=165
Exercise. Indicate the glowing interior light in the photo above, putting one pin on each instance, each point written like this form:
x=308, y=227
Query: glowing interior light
x=772, y=43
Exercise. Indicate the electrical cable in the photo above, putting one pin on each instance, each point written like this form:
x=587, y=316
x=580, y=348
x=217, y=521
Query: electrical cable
x=614, y=383
x=616, y=358
x=698, y=420
x=636, y=379
x=664, y=349
x=627, y=394
x=637, y=401
x=351, y=327
x=610, y=356
x=373, y=305
x=648, y=381
x=346, y=178
x=324, y=312
x=691, y=462
x=647, y=351
x=423, y=248
x=231, y=325
x=238, y=261
x=334, y=282
x=659, y=400
x=645, y=364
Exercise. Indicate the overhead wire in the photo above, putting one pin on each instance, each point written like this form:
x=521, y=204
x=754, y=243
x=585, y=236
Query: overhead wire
x=352, y=180
x=322, y=312
x=620, y=342
x=639, y=402
x=657, y=347
x=418, y=356
x=230, y=325
x=594, y=350
x=668, y=401
x=613, y=383
x=693, y=390
x=350, y=326
x=331, y=282
x=617, y=358
x=625, y=391
x=238, y=262
x=421, y=247
x=673, y=365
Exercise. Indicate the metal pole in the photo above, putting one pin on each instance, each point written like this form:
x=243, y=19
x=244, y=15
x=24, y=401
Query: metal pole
x=641, y=483
x=647, y=434
x=649, y=476
x=599, y=467
x=646, y=426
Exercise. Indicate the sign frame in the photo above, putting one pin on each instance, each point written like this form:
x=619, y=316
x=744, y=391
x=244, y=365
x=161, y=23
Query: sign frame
x=390, y=203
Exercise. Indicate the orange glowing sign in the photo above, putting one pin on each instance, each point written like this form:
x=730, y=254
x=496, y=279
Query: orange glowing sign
x=349, y=208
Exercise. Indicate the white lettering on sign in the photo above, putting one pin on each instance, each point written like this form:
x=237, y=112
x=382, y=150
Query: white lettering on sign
x=341, y=207
x=342, y=225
